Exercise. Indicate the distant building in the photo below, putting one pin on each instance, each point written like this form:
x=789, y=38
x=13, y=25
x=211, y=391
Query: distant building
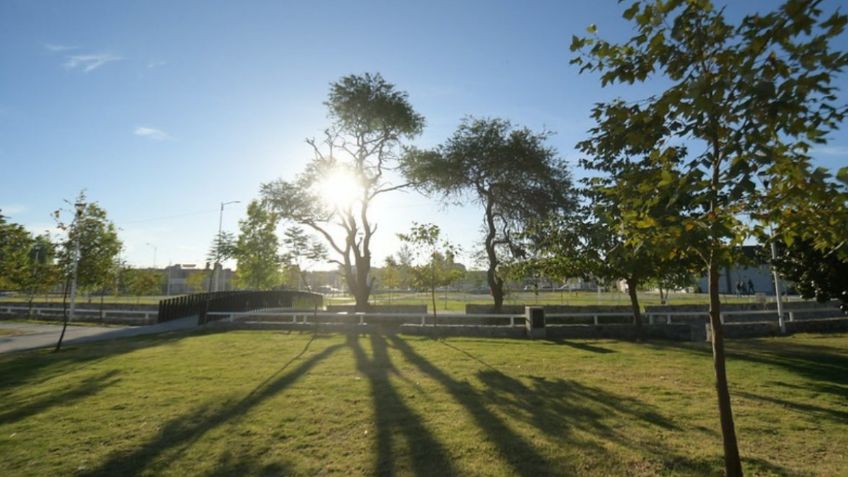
x=752, y=268
x=179, y=279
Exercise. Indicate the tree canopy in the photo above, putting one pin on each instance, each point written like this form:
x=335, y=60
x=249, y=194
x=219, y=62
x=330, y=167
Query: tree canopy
x=743, y=99
x=509, y=171
x=257, y=249
x=370, y=119
x=98, y=241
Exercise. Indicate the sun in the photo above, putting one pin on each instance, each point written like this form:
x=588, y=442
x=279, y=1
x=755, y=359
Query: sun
x=340, y=189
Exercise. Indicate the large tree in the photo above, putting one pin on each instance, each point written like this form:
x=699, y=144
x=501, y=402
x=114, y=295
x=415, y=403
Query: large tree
x=257, y=250
x=744, y=98
x=369, y=120
x=509, y=171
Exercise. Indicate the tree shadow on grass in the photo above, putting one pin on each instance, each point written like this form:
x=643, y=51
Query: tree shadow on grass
x=821, y=412
x=180, y=433
x=35, y=367
x=392, y=415
x=581, y=346
x=229, y=465
x=823, y=365
x=560, y=408
x=522, y=457
x=17, y=410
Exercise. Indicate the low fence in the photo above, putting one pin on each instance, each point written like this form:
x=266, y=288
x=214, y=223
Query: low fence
x=201, y=304
x=683, y=326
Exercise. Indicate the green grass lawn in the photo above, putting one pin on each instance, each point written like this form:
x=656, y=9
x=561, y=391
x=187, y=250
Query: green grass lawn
x=280, y=403
x=456, y=301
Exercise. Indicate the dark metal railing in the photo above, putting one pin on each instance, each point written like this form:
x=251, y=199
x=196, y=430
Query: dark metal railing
x=200, y=304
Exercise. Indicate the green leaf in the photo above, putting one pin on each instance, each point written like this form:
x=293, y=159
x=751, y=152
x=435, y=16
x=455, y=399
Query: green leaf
x=842, y=175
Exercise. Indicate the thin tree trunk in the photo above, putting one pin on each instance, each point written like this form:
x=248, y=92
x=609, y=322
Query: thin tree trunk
x=433, y=296
x=634, y=302
x=65, y=316
x=732, y=463
x=433, y=288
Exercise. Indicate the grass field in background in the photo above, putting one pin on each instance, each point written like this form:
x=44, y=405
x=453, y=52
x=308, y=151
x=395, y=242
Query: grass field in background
x=454, y=301
x=282, y=403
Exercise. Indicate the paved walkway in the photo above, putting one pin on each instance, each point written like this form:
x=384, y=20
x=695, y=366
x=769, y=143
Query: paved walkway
x=37, y=335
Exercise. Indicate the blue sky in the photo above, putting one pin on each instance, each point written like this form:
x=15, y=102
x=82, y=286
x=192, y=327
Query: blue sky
x=163, y=109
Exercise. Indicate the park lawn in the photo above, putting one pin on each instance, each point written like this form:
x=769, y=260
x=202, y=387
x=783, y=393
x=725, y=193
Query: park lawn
x=288, y=403
x=456, y=301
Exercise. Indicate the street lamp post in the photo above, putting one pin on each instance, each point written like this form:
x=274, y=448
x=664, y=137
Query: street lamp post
x=774, y=273
x=80, y=208
x=215, y=274
x=155, y=249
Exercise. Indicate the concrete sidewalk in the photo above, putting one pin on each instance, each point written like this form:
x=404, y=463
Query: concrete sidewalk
x=37, y=335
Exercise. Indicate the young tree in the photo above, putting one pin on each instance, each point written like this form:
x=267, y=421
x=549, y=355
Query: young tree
x=391, y=276
x=749, y=97
x=509, y=171
x=41, y=274
x=99, y=246
x=258, y=249
x=140, y=282
x=195, y=280
x=370, y=118
x=301, y=249
x=435, y=265
x=15, y=244
x=89, y=250
x=625, y=239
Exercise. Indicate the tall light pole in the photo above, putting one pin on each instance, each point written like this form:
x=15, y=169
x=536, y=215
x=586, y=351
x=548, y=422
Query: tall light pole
x=155, y=249
x=215, y=276
x=774, y=273
x=80, y=208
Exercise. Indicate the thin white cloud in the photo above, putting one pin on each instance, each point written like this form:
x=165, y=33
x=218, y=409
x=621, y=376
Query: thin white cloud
x=155, y=64
x=89, y=62
x=831, y=151
x=12, y=209
x=152, y=133
x=58, y=48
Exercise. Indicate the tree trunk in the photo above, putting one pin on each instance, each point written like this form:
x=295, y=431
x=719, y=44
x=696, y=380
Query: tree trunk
x=634, y=302
x=433, y=296
x=65, y=315
x=732, y=464
x=361, y=289
x=495, y=282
